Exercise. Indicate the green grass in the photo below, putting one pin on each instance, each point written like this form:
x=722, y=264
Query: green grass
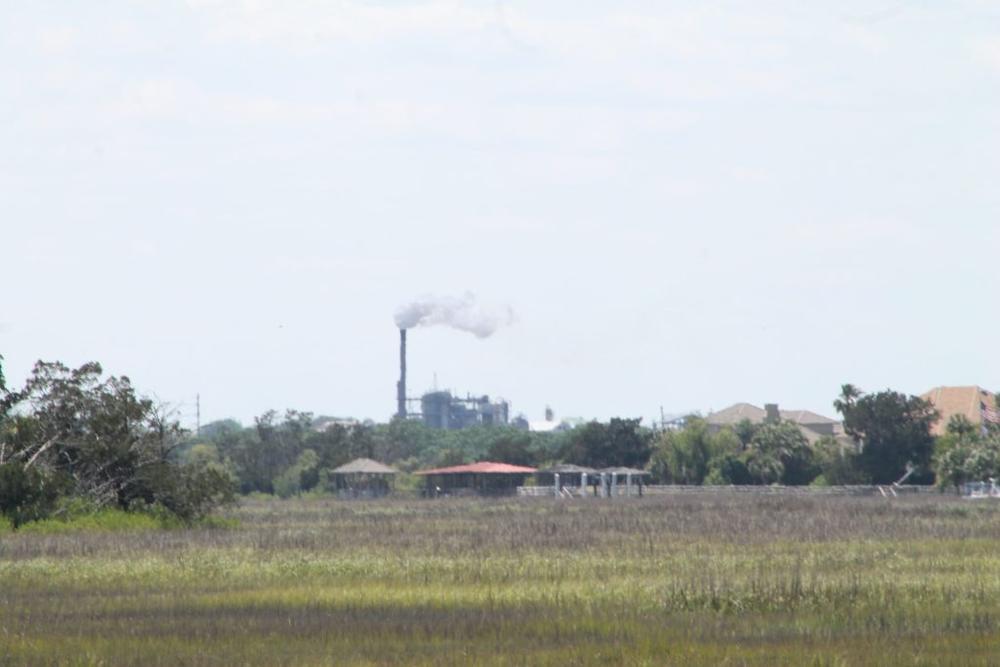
x=832, y=581
x=105, y=520
x=109, y=520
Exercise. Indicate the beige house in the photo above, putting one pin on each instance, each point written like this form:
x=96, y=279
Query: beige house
x=813, y=426
x=975, y=403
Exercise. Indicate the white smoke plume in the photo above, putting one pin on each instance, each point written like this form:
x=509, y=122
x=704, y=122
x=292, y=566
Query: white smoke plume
x=463, y=313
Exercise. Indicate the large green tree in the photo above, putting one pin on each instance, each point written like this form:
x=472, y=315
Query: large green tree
x=684, y=456
x=966, y=454
x=779, y=452
x=894, y=431
x=620, y=442
x=514, y=448
x=99, y=439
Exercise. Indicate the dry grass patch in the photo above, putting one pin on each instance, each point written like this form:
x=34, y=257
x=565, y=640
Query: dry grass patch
x=656, y=581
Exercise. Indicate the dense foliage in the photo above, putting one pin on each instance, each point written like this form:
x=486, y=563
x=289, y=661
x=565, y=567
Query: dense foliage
x=769, y=453
x=295, y=453
x=620, y=442
x=71, y=433
x=895, y=430
x=887, y=436
x=967, y=453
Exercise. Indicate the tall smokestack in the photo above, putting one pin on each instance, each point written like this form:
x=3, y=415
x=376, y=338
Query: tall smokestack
x=401, y=385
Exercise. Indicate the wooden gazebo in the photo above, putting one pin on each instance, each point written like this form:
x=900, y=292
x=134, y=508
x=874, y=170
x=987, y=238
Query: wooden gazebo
x=363, y=478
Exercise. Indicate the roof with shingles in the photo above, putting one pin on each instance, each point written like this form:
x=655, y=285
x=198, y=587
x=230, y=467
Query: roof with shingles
x=736, y=413
x=567, y=468
x=805, y=417
x=969, y=401
x=364, y=466
x=482, y=467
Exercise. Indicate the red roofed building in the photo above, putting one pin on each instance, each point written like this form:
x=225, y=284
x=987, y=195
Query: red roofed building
x=486, y=478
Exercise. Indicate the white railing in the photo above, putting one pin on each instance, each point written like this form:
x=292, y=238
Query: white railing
x=665, y=489
x=620, y=490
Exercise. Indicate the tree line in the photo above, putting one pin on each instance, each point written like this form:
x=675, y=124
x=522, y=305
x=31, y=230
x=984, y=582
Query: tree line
x=74, y=434
x=295, y=452
x=888, y=438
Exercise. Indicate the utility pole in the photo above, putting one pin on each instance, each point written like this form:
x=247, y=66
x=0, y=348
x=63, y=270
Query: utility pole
x=197, y=415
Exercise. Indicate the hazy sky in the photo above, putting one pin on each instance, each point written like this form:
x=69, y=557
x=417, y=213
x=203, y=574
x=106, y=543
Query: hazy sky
x=686, y=204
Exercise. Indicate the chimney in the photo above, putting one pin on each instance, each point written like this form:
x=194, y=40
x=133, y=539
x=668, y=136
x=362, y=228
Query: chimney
x=773, y=415
x=401, y=385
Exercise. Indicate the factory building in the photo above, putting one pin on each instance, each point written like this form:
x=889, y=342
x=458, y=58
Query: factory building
x=440, y=409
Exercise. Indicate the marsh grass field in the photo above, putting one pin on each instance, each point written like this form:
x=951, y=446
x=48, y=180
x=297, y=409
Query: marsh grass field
x=654, y=581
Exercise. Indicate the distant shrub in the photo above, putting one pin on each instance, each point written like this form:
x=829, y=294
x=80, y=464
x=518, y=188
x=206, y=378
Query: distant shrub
x=27, y=494
x=302, y=476
x=190, y=492
x=728, y=469
x=287, y=484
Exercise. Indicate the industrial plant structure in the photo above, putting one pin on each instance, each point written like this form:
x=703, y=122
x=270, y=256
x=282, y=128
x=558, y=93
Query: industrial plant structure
x=401, y=385
x=442, y=409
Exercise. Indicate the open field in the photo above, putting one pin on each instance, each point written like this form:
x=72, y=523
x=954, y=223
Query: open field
x=664, y=580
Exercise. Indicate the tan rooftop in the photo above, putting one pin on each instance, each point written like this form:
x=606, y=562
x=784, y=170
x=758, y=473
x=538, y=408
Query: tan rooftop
x=734, y=414
x=973, y=402
x=806, y=417
x=364, y=466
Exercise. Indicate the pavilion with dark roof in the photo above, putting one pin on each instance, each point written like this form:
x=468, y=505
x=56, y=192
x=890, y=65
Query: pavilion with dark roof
x=363, y=478
x=485, y=478
x=568, y=474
